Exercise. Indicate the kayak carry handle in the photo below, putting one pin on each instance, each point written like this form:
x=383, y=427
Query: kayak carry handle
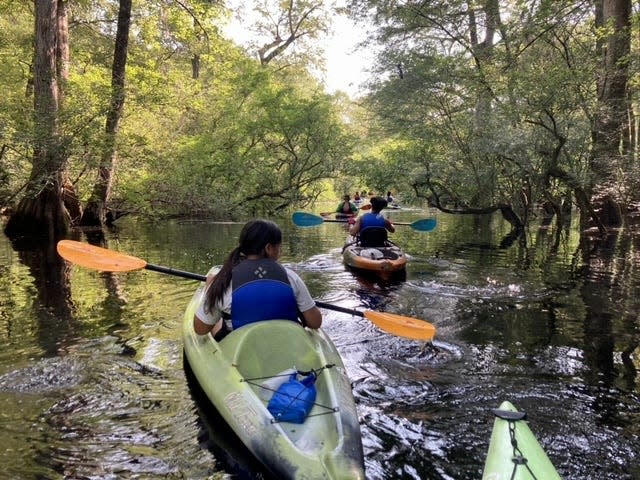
x=509, y=415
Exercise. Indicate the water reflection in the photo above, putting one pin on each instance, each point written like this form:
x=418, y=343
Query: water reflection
x=53, y=306
x=92, y=382
x=374, y=292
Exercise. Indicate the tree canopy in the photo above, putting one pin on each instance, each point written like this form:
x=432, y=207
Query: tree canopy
x=474, y=108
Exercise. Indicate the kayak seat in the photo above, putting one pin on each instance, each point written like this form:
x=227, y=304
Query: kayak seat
x=373, y=237
x=379, y=253
x=372, y=253
x=256, y=349
x=390, y=254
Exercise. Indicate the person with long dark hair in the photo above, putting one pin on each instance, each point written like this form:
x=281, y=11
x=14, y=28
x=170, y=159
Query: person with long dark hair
x=252, y=286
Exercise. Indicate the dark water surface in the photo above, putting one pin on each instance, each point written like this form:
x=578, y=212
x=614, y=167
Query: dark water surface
x=92, y=384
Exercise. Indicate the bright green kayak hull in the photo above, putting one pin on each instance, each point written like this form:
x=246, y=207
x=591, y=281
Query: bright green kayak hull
x=328, y=444
x=500, y=464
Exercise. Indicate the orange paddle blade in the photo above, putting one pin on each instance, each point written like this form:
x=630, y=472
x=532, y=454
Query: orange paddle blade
x=98, y=258
x=402, y=326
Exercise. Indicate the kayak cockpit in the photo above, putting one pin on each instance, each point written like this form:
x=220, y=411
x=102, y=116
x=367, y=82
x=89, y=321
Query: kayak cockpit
x=257, y=354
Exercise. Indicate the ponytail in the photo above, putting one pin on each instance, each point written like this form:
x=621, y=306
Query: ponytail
x=254, y=237
x=222, y=280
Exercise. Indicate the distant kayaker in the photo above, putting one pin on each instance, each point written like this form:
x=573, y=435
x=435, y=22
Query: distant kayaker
x=390, y=198
x=347, y=207
x=252, y=286
x=372, y=227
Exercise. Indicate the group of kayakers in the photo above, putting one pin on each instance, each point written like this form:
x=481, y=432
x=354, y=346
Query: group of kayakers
x=361, y=196
x=349, y=207
x=252, y=286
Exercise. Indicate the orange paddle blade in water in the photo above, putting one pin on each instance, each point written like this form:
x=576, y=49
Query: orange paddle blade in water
x=402, y=326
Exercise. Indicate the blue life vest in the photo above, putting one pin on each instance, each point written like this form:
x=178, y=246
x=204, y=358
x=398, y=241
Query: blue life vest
x=373, y=230
x=372, y=220
x=261, y=291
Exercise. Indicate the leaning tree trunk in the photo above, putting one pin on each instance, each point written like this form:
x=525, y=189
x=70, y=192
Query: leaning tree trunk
x=42, y=211
x=95, y=212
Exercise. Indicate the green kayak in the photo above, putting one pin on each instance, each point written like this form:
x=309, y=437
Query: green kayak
x=514, y=452
x=235, y=374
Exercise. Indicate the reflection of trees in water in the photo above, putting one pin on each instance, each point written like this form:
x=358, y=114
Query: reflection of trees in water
x=609, y=291
x=625, y=278
x=53, y=306
x=603, y=276
x=597, y=257
x=116, y=299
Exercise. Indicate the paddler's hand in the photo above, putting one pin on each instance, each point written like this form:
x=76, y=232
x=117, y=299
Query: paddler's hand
x=352, y=220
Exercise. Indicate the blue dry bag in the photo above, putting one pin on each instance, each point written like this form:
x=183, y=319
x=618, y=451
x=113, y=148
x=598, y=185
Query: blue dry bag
x=294, y=399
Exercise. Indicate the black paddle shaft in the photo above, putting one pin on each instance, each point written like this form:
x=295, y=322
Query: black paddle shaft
x=177, y=273
x=350, y=311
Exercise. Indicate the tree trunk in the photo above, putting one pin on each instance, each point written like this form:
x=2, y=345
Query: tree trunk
x=483, y=52
x=611, y=151
x=95, y=211
x=42, y=211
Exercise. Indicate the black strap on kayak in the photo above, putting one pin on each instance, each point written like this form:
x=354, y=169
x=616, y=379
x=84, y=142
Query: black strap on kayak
x=327, y=410
x=518, y=457
x=317, y=371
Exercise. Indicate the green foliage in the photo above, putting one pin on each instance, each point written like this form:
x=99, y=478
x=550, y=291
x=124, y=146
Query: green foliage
x=472, y=124
x=237, y=139
x=477, y=124
x=288, y=33
x=16, y=103
x=264, y=146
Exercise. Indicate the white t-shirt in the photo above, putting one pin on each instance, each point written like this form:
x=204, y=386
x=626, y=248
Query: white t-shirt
x=300, y=290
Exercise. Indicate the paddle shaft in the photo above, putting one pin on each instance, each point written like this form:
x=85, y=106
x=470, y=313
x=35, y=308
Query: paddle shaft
x=401, y=223
x=177, y=273
x=346, y=220
x=350, y=311
x=202, y=278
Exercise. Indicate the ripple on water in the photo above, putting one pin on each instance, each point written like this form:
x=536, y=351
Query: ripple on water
x=108, y=415
x=129, y=421
x=325, y=262
x=47, y=375
x=491, y=288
